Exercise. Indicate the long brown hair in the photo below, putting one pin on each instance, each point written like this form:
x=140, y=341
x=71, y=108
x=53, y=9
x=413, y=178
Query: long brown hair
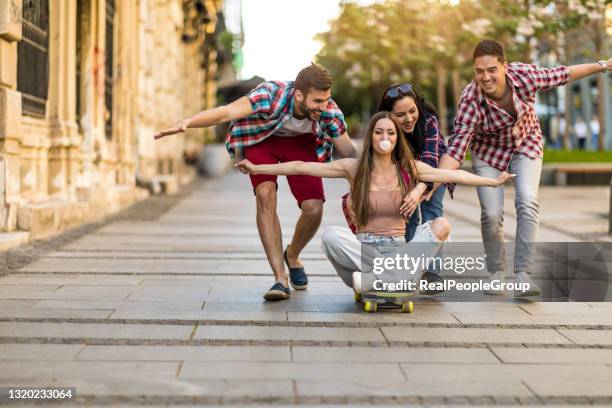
x=360, y=185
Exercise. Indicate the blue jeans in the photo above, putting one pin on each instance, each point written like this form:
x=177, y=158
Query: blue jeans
x=430, y=210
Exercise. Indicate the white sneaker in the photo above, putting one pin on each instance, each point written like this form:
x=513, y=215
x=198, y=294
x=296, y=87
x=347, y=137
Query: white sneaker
x=531, y=289
x=492, y=277
x=357, y=282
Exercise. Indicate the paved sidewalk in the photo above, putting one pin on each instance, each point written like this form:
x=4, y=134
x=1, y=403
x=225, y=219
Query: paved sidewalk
x=170, y=312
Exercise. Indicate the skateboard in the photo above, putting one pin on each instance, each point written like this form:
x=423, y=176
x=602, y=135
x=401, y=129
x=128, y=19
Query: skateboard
x=373, y=300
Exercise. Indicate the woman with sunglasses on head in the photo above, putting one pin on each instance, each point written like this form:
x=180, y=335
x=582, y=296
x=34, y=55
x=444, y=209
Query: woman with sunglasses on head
x=384, y=173
x=418, y=121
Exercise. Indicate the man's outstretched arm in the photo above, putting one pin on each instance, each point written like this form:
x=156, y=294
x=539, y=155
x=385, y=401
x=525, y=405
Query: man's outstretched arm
x=584, y=70
x=210, y=117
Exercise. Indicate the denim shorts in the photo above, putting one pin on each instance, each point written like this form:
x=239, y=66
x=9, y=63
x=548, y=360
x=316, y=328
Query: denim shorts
x=369, y=238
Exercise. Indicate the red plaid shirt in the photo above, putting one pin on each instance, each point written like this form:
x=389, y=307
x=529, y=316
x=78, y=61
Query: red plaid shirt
x=272, y=104
x=494, y=133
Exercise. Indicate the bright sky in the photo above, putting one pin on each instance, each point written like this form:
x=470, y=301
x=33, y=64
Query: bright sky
x=278, y=34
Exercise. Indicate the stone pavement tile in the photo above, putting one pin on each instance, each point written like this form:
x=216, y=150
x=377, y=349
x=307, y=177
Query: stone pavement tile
x=462, y=384
x=538, y=377
x=498, y=306
x=289, y=333
x=179, y=282
x=90, y=265
x=601, y=305
x=288, y=371
x=565, y=379
x=340, y=304
x=184, y=353
x=202, y=230
x=17, y=303
x=7, y=287
x=190, y=305
x=73, y=293
x=61, y=280
x=152, y=293
x=564, y=309
x=171, y=243
x=469, y=318
x=197, y=315
x=38, y=313
x=473, y=335
x=421, y=314
x=603, y=337
x=236, y=267
x=94, y=330
x=317, y=288
x=134, y=385
x=98, y=378
x=39, y=352
x=523, y=372
x=393, y=355
x=553, y=356
x=168, y=254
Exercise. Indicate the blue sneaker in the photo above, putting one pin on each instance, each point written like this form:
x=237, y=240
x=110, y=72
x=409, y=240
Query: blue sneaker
x=278, y=291
x=297, y=276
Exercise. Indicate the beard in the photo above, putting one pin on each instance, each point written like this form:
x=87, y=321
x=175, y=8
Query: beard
x=312, y=114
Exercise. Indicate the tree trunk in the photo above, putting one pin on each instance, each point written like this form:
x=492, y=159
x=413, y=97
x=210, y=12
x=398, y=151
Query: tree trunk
x=568, y=117
x=601, y=86
x=441, y=73
x=456, y=84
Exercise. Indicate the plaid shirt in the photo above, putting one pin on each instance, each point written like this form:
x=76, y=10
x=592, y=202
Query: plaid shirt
x=494, y=133
x=433, y=147
x=272, y=104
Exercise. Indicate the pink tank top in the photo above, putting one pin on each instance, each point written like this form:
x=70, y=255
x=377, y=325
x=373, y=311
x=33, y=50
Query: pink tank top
x=385, y=218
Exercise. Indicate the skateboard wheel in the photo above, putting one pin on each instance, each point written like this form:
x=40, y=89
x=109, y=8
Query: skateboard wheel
x=407, y=307
x=357, y=297
x=370, y=307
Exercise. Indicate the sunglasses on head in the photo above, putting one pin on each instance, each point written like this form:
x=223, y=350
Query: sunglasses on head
x=398, y=90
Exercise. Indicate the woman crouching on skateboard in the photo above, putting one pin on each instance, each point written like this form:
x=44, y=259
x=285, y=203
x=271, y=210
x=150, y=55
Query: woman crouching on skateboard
x=385, y=172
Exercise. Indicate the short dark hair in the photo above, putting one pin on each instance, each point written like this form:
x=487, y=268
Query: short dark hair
x=313, y=76
x=490, y=47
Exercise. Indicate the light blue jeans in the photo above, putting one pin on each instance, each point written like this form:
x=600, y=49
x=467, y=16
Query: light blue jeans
x=526, y=184
x=343, y=248
x=427, y=211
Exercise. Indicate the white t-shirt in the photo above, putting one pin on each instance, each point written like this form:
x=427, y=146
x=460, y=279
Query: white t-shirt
x=294, y=127
x=581, y=130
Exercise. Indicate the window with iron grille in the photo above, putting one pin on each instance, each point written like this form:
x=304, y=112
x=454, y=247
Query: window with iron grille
x=79, y=44
x=33, y=57
x=108, y=72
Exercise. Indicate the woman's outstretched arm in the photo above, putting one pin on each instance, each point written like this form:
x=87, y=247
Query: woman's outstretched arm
x=336, y=169
x=428, y=173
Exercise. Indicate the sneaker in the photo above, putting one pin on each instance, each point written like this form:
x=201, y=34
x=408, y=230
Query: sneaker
x=532, y=288
x=430, y=277
x=357, y=282
x=278, y=291
x=297, y=276
x=495, y=276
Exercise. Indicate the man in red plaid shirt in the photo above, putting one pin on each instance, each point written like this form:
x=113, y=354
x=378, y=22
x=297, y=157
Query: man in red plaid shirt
x=496, y=116
x=281, y=122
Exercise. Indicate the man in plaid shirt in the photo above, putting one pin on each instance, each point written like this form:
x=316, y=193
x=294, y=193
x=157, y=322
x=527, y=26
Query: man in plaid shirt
x=496, y=116
x=281, y=122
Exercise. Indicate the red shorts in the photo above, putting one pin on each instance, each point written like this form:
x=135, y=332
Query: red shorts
x=277, y=149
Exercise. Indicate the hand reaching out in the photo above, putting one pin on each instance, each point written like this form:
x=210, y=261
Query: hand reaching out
x=179, y=127
x=245, y=167
x=503, y=177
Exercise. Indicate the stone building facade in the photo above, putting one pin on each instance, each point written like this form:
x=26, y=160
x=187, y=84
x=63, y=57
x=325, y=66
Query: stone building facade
x=84, y=84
